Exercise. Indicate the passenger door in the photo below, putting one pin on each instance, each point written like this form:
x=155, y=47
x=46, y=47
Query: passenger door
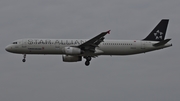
x=24, y=44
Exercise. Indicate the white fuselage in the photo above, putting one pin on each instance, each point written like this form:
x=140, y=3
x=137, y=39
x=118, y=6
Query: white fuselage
x=108, y=47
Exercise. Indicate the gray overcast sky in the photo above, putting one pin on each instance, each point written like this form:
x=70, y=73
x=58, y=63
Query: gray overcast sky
x=153, y=76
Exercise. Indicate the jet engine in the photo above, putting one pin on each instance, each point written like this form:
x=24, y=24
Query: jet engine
x=69, y=58
x=72, y=50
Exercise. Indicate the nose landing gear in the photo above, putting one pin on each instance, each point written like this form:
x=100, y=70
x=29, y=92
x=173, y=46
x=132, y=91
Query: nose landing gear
x=24, y=58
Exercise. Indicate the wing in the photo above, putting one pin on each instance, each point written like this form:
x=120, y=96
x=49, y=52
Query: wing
x=91, y=44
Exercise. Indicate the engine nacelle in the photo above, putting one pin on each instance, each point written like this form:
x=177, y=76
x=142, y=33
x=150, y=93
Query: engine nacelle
x=72, y=50
x=68, y=58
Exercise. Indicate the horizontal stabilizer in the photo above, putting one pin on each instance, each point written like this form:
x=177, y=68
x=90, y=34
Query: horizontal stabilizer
x=162, y=42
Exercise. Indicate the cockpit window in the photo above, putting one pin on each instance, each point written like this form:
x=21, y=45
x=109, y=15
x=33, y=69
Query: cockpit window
x=14, y=42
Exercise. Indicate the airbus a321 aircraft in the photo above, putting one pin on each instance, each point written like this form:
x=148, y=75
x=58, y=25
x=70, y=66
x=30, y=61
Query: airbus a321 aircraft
x=73, y=50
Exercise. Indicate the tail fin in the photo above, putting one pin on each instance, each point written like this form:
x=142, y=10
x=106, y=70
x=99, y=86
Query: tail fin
x=159, y=32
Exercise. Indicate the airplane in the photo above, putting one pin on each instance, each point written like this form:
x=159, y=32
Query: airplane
x=73, y=50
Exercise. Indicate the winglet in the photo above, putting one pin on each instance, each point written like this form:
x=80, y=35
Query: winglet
x=108, y=31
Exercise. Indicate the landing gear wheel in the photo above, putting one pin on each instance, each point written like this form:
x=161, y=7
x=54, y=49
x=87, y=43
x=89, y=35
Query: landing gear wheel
x=88, y=58
x=87, y=63
x=23, y=60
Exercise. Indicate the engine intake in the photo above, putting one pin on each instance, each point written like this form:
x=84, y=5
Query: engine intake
x=69, y=58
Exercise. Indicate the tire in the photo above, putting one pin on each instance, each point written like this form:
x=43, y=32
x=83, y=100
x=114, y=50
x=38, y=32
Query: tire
x=87, y=63
x=88, y=58
x=23, y=60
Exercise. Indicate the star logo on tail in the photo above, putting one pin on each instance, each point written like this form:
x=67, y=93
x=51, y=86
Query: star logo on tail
x=158, y=34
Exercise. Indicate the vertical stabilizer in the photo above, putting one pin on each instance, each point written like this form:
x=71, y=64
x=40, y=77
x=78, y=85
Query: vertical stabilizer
x=159, y=32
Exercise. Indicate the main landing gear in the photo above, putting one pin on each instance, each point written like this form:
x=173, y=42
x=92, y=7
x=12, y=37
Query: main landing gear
x=88, y=59
x=24, y=58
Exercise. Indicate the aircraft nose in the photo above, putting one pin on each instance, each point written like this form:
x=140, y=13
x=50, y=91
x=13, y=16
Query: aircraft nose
x=8, y=48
